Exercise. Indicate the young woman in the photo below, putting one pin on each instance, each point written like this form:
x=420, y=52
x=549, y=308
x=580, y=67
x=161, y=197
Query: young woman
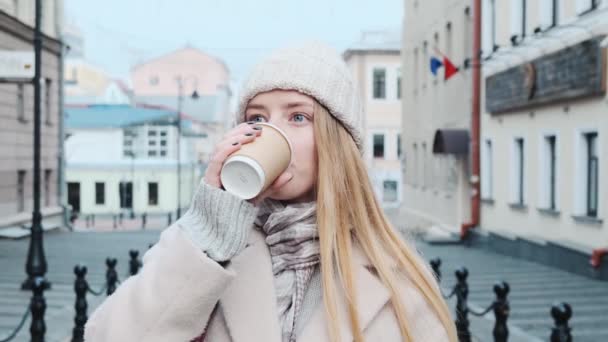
x=311, y=259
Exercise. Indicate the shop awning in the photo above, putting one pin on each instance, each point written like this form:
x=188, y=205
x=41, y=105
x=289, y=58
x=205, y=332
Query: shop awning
x=451, y=141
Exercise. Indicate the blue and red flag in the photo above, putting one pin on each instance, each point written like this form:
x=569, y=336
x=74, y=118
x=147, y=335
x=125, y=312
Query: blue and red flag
x=449, y=68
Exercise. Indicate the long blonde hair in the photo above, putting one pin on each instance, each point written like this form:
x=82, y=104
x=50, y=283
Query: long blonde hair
x=348, y=211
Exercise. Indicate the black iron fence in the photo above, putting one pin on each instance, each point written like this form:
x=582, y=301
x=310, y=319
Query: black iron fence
x=561, y=313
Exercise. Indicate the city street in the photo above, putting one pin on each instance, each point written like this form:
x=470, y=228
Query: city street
x=534, y=288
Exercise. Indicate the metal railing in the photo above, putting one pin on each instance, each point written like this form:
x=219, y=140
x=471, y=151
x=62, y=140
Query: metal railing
x=561, y=313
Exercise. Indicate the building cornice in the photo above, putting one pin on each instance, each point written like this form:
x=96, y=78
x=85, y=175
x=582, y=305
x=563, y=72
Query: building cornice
x=18, y=29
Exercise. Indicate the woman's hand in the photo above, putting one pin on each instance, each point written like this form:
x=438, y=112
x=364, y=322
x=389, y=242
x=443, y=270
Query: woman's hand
x=232, y=142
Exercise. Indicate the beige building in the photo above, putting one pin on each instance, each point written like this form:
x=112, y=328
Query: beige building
x=16, y=122
x=436, y=175
x=375, y=62
x=202, y=82
x=544, y=124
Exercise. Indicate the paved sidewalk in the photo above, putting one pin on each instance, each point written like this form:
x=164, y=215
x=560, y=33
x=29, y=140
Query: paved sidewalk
x=64, y=250
x=534, y=288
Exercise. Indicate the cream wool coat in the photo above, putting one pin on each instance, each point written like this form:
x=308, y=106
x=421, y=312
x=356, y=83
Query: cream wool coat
x=174, y=296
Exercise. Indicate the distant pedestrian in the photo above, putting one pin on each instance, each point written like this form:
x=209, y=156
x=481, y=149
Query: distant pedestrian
x=313, y=258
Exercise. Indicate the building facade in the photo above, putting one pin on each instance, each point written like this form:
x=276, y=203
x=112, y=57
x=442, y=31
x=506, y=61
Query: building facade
x=436, y=188
x=123, y=159
x=192, y=81
x=544, y=123
x=375, y=62
x=17, y=122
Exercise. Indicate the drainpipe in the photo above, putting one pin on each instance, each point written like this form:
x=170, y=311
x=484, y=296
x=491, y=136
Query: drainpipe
x=475, y=122
x=61, y=155
x=597, y=256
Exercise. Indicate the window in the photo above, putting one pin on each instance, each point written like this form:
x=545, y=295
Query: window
x=47, y=102
x=518, y=22
x=592, y=174
x=518, y=172
x=549, y=172
x=489, y=27
x=151, y=133
x=398, y=145
x=379, y=83
x=163, y=143
x=125, y=193
x=416, y=68
x=20, y=190
x=425, y=59
x=163, y=153
x=398, y=83
x=584, y=6
x=47, y=187
x=21, y=102
x=448, y=39
x=152, y=153
x=100, y=193
x=152, y=143
x=435, y=45
x=389, y=191
x=378, y=145
x=486, y=170
x=153, y=193
x=415, y=165
x=153, y=81
x=549, y=13
x=163, y=133
x=423, y=165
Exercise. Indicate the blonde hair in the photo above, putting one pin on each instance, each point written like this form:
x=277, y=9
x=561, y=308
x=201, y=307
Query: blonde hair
x=348, y=212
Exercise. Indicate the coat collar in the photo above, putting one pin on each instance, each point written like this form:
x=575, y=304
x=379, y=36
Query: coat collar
x=372, y=295
x=250, y=301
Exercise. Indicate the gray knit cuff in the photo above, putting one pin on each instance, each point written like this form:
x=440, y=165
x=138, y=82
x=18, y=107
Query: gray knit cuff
x=218, y=222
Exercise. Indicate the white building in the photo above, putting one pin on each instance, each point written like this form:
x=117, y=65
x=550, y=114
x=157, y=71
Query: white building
x=124, y=159
x=375, y=62
x=436, y=115
x=545, y=124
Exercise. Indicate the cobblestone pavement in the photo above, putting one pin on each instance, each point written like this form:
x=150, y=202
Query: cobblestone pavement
x=533, y=287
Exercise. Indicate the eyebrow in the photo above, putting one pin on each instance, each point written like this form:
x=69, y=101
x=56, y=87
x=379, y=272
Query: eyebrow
x=289, y=105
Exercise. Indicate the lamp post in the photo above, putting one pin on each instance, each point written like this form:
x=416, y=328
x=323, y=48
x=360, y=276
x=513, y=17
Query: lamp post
x=180, y=99
x=36, y=265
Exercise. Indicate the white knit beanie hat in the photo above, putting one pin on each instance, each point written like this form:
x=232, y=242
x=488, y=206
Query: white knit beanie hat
x=314, y=69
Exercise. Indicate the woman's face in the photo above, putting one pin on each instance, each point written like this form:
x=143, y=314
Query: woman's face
x=292, y=112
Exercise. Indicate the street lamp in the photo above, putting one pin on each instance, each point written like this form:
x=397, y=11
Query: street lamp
x=180, y=98
x=36, y=265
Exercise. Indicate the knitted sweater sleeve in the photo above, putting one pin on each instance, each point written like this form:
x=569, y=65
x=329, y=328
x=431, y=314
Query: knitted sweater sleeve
x=218, y=222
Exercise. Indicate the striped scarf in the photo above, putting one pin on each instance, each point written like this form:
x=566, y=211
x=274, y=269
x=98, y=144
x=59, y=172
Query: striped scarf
x=292, y=237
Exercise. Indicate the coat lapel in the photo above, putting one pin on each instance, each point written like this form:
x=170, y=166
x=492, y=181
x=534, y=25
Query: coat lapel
x=250, y=302
x=371, y=298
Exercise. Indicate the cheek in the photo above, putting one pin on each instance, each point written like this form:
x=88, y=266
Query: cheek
x=305, y=154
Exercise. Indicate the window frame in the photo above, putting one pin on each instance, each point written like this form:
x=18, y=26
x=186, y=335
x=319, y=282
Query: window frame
x=100, y=195
x=383, y=136
x=379, y=86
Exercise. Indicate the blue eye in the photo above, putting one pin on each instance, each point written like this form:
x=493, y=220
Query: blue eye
x=257, y=118
x=299, y=118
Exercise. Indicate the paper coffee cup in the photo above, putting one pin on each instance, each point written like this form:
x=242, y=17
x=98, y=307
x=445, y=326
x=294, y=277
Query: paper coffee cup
x=252, y=169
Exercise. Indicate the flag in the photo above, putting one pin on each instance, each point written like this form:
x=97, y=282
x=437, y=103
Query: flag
x=450, y=68
x=435, y=65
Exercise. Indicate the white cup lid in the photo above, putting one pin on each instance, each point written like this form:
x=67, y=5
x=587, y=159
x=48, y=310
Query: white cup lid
x=242, y=176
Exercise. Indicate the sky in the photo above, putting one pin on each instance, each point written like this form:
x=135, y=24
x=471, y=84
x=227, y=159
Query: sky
x=121, y=33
